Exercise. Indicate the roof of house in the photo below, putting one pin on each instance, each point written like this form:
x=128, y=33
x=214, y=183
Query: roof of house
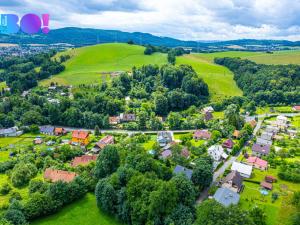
x=165, y=135
x=257, y=161
x=266, y=185
x=252, y=123
x=242, y=168
x=226, y=197
x=59, y=130
x=269, y=177
x=83, y=160
x=80, y=134
x=46, y=129
x=180, y=169
x=228, y=143
x=167, y=153
x=105, y=141
x=235, y=177
x=8, y=130
x=114, y=119
x=296, y=107
x=264, y=149
x=59, y=175
x=185, y=152
x=236, y=133
x=208, y=116
x=202, y=134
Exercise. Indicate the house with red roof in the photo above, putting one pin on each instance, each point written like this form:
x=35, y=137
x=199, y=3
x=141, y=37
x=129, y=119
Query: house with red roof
x=80, y=137
x=185, y=153
x=266, y=185
x=228, y=144
x=296, y=108
x=107, y=140
x=202, y=135
x=83, y=160
x=114, y=120
x=59, y=175
x=257, y=163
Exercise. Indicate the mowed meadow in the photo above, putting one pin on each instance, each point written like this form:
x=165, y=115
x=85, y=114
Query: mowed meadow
x=93, y=64
x=89, y=65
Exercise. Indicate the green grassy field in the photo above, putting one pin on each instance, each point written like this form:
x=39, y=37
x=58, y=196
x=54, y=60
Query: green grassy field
x=87, y=64
x=279, y=57
x=219, y=79
x=82, y=212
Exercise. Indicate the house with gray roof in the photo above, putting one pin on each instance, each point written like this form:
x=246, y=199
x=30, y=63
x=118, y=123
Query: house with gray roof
x=226, y=197
x=180, y=169
x=262, y=141
x=233, y=181
x=48, y=130
x=260, y=150
x=266, y=136
x=10, y=132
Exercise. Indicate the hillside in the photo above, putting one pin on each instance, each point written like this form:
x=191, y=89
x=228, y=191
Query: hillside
x=91, y=64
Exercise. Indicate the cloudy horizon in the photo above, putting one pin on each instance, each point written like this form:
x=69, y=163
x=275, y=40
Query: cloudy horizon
x=181, y=19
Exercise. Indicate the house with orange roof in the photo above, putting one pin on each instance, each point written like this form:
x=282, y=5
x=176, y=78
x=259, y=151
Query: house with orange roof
x=236, y=134
x=59, y=175
x=80, y=137
x=252, y=123
x=58, y=131
x=83, y=160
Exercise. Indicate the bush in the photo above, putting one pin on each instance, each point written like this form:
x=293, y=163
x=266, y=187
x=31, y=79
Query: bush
x=22, y=173
x=5, y=189
x=15, y=217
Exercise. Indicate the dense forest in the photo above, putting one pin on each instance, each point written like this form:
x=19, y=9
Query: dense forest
x=23, y=73
x=265, y=84
x=152, y=91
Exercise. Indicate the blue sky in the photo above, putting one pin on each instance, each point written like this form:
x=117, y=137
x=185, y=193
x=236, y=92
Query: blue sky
x=184, y=19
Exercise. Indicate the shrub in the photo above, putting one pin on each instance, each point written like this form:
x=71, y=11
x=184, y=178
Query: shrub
x=5, y=189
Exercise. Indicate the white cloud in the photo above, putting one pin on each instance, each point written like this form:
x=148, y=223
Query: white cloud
x=185, y=19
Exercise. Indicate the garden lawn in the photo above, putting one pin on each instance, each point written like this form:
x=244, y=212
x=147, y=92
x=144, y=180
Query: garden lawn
x=251, y=195
x=2, y=85
x=81, y=212
x=296, y=121
x=88, y=65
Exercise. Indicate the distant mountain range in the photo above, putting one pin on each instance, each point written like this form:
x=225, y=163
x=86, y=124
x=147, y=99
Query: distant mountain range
x=86, y=36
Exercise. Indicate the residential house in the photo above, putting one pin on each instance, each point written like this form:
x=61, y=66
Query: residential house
x=296, y=108
x=217, y=152
x=252, y=123
x=58, y=131
x=48, y=130
x=208, y=116
x=266, y=185
x=182, y=170
x=10, y=132
x=262, y=141
x=243, y=169
x=38, y=141
x=272, y=129
x=166, y=154
x=114, y=120
x=164, y=138
x=257, y=163
x=107, y=140
x=292, y=133
x=83, y=160
x=80, y=137
x=233, y=181
x=226, y=197
x=202, y=134
x=260, y=150
x=281, y=122
x=266, y=136
x=236, y=134
x=270, y=179
x=228, y=144
x=127, y=117
x=59, y=175
x=208, y=109
x=185, y=153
